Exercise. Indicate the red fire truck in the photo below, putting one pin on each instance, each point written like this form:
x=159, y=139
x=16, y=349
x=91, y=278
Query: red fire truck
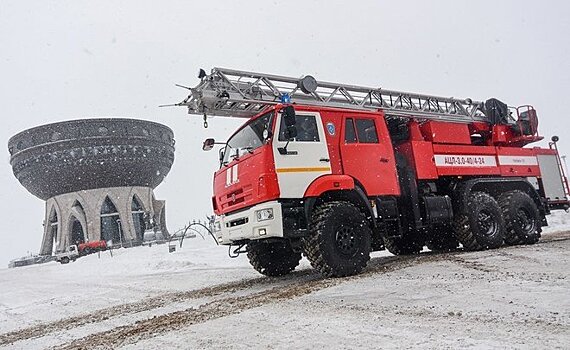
x=335, y=171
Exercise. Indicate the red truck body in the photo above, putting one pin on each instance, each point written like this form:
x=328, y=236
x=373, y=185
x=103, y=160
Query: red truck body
x=434, y=150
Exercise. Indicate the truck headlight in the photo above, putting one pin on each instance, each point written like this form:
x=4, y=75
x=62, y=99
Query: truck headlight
x=217, y=226
x=264, y=214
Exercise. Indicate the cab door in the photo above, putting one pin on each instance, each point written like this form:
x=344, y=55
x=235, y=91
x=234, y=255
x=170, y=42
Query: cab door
x=367, y=154
x=307, y=156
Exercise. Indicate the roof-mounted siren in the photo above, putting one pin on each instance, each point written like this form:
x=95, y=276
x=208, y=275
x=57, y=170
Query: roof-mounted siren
x=308, y=84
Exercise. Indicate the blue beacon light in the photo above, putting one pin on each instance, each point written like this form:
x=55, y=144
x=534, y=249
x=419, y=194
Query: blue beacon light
x=285, y=98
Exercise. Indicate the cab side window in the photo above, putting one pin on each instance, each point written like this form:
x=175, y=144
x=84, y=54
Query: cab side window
x=306, y=129
x=365, y=131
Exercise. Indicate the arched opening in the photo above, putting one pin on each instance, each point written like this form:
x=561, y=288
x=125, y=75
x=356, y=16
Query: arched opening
x=78, y=206
x=52, y=238
x=110, y=223
x=77, y=234
x=137, y=210
x=79, y=215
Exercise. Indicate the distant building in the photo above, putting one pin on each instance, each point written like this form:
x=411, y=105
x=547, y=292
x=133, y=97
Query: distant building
x=30, y=260
x=97, y=177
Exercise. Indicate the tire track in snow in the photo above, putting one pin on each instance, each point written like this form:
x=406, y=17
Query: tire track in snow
x=145, y=329
x=135, y=307
x=294, y=285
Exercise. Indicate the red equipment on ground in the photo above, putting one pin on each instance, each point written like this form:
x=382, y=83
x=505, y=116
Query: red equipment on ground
x=336, y=171
x=91, y=247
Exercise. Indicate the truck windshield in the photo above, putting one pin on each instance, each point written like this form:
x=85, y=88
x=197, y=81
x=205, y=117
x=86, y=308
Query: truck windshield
x=248, y=138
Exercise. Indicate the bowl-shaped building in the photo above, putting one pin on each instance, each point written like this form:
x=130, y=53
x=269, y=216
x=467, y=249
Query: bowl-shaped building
x=97, y=177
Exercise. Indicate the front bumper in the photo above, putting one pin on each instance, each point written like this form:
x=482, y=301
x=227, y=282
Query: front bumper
x=244, y=225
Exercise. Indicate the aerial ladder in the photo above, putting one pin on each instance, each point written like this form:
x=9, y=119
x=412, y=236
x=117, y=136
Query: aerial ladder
x=228, y=92
x=234, y=93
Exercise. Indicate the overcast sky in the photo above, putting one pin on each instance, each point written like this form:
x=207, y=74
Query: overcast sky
x=62, y=60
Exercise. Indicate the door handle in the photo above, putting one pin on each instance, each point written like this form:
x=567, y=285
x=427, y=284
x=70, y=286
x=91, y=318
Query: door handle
x=326, y=160
x=384, y=160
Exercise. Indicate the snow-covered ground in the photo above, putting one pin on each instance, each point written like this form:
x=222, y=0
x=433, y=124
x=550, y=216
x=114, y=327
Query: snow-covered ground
x=197, y=297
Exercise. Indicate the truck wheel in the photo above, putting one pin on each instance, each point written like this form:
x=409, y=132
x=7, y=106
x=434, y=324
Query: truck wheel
x=338, y=243
x=409, y=244
x=442, y=239
x=521, y=216
x=480, y=224
x=272, y=258
x=64, y=260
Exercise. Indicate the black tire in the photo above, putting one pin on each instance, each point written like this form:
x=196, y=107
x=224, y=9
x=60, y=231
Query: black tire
x=442, y=239
x=272, y=258
x=87, y=251
x=339, y=239
x=479, y=224
x=410, y=243
x=64, y=260
x=522, y=218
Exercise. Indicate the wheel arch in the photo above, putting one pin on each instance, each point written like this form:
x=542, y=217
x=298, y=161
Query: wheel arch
x=327, y=183
x=357, y=196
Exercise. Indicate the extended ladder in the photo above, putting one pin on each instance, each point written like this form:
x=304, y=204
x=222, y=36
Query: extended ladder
x=227, y=92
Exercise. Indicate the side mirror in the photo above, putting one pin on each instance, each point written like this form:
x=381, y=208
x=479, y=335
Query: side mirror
x=288, y=116
x=291, y=132
x=208, y=144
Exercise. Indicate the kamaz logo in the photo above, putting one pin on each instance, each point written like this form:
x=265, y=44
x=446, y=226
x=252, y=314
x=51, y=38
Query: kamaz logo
x=232, y=176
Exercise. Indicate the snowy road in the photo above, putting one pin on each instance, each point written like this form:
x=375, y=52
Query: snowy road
x=511, y=297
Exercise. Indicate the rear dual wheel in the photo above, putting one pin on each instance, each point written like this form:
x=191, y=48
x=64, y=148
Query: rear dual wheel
x=521, y=216
x=485, y=223
x=480, y=224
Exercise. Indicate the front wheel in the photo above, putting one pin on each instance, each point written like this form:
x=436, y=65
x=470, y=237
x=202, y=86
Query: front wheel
x=480, y=224
x=273, y=258
x=338, y=243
